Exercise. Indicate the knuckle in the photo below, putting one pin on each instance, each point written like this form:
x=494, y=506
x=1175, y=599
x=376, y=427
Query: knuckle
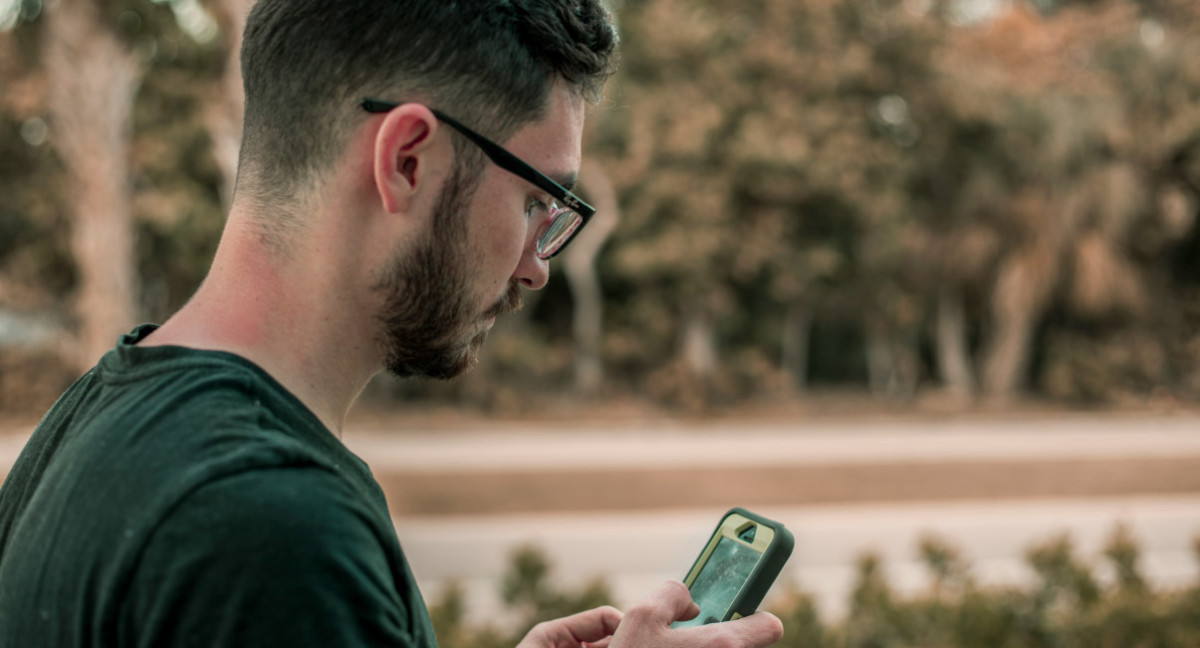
x=610, y=612
x=641, y=613
x=679, y=590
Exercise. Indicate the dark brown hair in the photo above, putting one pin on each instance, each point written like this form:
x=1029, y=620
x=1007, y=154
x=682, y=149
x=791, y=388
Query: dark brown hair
x=306, y=65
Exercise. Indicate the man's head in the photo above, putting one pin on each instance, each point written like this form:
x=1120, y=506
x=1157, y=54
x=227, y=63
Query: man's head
x=515, y=71
x=307, y=64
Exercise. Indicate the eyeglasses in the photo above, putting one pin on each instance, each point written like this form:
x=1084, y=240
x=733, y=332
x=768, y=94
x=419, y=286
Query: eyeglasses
x=563, y=222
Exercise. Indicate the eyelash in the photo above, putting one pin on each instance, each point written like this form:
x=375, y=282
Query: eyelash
x=535, y=203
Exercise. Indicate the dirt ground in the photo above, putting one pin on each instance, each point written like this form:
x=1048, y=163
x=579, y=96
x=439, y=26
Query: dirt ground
x=467, y=493
x=472, y=492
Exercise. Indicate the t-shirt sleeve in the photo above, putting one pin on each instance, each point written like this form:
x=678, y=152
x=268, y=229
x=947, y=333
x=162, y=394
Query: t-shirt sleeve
x=279, y=557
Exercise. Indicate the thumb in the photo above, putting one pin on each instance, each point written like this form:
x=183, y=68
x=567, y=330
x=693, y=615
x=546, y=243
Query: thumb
x=759, y=629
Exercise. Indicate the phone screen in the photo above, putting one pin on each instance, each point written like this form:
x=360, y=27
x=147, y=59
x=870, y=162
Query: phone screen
x=720, y=580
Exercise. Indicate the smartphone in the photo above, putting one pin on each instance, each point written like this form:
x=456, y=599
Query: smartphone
x=736, y=568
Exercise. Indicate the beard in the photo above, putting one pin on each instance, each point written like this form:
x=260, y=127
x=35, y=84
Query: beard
x=429, y=325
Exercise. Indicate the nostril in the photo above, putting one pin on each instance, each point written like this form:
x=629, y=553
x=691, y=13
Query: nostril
x=533, y=272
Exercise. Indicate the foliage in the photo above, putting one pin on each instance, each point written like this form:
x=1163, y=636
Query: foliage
x=528, y=594
x=1066, y=605
x=898, y=195
x=175, y=184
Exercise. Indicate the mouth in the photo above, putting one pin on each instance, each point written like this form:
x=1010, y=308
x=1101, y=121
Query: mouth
x=511, y=302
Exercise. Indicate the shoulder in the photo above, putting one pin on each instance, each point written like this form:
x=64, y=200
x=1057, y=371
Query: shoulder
x=285, y=556
x=274, y=514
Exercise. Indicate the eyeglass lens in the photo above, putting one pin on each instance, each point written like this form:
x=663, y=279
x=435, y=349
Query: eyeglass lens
x=560, y=230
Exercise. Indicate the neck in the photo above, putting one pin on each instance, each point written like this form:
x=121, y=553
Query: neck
x=285, y=313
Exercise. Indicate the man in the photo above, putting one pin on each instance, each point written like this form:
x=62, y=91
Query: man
x=191, y=490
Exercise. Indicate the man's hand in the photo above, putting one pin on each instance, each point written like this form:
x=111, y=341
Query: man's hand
x=593, y=628
x=647, y=625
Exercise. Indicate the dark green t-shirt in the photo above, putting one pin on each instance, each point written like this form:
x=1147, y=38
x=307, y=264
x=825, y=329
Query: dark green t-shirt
x=175, y=497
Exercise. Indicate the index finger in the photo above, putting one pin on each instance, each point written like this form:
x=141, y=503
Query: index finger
x=675, y=597
x=592, y=625
x=765, y=628
x=569, y=632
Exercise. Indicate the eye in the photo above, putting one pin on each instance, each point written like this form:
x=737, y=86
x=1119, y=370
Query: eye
x=536, y=208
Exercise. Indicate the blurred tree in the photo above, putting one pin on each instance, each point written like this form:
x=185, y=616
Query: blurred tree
x=93, y=76
x=579, y=267
x=881, y=192
x=107, y=84
x=223, y=113
x=754, y=167
x=181, y=177
x=1045, y=202
x=35, y=257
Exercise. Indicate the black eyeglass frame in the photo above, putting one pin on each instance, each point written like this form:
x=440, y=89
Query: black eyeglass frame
x=509, y=162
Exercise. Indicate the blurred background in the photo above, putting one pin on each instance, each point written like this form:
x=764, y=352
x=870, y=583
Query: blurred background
x=847, y=234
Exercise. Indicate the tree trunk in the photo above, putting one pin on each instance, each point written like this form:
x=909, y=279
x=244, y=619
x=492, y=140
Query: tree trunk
x=698, y=345
x=797, y=331
x=579, y=266
x=1018, y=300
x=223, y=116
x=953, y=354
x=93, y=80
x=891, y=361
x=880, y=362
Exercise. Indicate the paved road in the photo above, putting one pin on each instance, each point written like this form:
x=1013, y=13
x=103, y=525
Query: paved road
x=509, y=469
x=665, y=444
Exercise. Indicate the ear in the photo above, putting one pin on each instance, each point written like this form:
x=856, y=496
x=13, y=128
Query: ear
x=402, y=145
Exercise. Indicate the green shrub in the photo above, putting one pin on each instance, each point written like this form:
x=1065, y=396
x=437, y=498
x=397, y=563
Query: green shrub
x=1066, y=605
x=527, y=591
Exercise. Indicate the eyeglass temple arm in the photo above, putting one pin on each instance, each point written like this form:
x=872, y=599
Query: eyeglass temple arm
x=501, y=157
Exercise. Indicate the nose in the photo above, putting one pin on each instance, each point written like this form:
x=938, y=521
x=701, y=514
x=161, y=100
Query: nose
x=533, y=272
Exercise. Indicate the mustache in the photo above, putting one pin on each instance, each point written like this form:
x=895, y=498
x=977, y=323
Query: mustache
x=511, y=302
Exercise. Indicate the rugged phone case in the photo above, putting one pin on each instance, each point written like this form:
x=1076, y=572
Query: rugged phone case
x=763, y=574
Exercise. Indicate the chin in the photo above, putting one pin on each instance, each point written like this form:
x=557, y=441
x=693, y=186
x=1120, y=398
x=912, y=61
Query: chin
x=470, y=355
x=447, y=365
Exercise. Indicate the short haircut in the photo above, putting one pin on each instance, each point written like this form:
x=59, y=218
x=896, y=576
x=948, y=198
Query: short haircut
x=307, y=64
